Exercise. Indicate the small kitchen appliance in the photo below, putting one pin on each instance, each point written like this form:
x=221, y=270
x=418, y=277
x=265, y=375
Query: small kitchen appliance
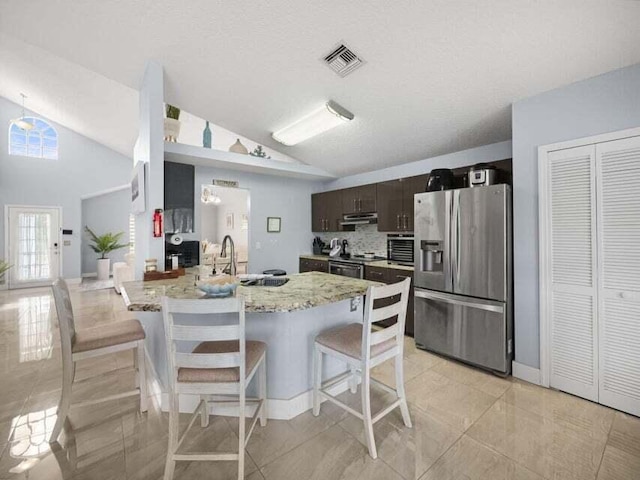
x=343, y=252
x=400, y=249
x=440, y=179
x=335, y=247
x=482, y=175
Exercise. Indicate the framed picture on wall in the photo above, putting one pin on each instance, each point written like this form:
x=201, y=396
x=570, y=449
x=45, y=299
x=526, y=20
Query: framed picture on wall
x=138, y=203
x=230, y=221
x=274, y=224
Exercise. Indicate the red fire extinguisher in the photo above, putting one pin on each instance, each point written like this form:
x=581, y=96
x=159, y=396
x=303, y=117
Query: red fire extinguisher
x=157, y=223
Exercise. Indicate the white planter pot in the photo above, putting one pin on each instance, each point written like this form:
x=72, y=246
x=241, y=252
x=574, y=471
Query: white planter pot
x=171, y=129
x=103, y=268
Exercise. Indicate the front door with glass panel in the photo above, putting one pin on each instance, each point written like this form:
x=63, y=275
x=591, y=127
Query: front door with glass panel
x=34, y=246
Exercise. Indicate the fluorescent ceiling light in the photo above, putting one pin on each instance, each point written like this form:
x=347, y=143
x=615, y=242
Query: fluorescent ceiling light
x=320, y=120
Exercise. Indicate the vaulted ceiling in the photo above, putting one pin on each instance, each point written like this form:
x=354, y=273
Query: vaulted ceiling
x=440, y=74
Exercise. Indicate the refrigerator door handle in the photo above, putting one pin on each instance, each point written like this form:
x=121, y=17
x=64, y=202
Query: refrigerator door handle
x=455, y=247
x=487, y=305
x=448, y=265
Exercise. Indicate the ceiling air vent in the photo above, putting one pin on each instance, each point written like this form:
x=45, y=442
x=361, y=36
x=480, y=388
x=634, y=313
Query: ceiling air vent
x=343, y=61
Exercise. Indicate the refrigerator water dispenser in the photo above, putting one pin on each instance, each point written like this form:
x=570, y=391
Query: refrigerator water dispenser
x=431, y=256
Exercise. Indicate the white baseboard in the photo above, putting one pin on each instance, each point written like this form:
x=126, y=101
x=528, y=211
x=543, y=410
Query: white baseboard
x=526, y=373
x=90, y=275
x=277, y=409
x=74, y=281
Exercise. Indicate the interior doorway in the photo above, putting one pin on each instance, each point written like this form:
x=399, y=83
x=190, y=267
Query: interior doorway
x=33, y=245
x=224, y=211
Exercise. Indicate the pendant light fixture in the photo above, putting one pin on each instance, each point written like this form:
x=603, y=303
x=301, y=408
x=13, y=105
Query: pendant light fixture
x=209, y=197
x=21, y=122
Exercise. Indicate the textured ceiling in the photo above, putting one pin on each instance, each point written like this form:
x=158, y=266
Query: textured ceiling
x=440, y=77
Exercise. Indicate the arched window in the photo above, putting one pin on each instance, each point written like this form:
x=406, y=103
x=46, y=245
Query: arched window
x=41, y=141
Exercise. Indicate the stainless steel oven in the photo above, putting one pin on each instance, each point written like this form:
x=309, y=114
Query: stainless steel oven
x=346, y=269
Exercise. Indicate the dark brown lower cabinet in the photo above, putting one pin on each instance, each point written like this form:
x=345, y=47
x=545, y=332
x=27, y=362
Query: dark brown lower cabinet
x=388, y=276
x=313, y=265
x=396, y=275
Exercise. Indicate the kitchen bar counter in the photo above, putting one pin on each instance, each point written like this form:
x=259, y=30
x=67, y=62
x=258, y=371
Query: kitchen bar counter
x=286, y=318
x=301, y=292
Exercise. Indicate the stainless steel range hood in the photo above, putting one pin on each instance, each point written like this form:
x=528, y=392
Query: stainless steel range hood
x=359, y=219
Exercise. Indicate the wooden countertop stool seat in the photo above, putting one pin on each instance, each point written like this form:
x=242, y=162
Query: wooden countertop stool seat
x=94, y=342
x=218, y=370
x=362, y=349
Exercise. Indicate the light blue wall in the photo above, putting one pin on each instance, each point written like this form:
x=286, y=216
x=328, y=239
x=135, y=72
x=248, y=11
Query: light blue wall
x=269, y=196
x=598, y=105
x=83, y=167
x=103, y=214
x=486, y=153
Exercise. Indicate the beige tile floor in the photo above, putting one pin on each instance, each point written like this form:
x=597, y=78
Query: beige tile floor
x=467, y=424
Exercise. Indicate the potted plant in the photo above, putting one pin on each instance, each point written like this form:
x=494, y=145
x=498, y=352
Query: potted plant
x=4, y=266
x=172, y=124
x=104, y=244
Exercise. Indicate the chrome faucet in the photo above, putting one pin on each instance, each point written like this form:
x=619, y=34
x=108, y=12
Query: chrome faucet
x=223, y=252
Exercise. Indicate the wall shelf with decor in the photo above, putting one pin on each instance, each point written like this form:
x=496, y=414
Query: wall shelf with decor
x=207, y=157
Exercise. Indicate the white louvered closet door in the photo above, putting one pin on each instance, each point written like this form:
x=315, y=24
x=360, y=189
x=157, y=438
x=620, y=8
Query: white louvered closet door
x=572, y=304
x=618, y=187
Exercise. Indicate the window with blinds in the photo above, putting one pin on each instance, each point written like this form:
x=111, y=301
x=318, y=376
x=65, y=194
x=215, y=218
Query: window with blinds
x=132, y=233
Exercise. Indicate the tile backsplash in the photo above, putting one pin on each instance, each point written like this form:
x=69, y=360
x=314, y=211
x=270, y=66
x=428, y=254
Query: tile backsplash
x=366, y=238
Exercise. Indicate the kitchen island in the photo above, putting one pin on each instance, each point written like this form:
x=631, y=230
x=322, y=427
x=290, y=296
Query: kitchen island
x=286, y=318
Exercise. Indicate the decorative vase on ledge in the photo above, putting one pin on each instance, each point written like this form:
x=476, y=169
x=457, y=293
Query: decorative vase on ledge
x=238, y=147
x=206, y=136
x=171, y=123
x=171, y=129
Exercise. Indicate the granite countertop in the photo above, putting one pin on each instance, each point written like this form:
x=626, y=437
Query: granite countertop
x=316, y=257
x=303, y=291
x=377, y=263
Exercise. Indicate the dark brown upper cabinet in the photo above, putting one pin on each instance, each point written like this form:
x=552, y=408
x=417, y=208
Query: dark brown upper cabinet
x=412, y=185
x=326, y=211
x=390, y=198
x=395, y=203
x=359, y=199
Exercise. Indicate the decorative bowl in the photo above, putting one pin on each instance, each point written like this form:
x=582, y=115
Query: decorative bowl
x=218, y=287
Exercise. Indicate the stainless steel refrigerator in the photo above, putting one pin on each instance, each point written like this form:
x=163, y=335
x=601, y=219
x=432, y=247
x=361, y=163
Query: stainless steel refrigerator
x=463, y=284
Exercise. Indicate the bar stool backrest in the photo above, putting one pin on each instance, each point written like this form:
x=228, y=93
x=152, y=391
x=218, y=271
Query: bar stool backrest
x=400, y=294
x=66, y=322
x=197, y=333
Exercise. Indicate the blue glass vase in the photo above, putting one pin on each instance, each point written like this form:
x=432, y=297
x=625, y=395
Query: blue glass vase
x=206, y=136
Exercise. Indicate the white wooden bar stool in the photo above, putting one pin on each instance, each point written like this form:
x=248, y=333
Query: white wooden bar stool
x=219, y=368
x=94, y=342
x=362, y=349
